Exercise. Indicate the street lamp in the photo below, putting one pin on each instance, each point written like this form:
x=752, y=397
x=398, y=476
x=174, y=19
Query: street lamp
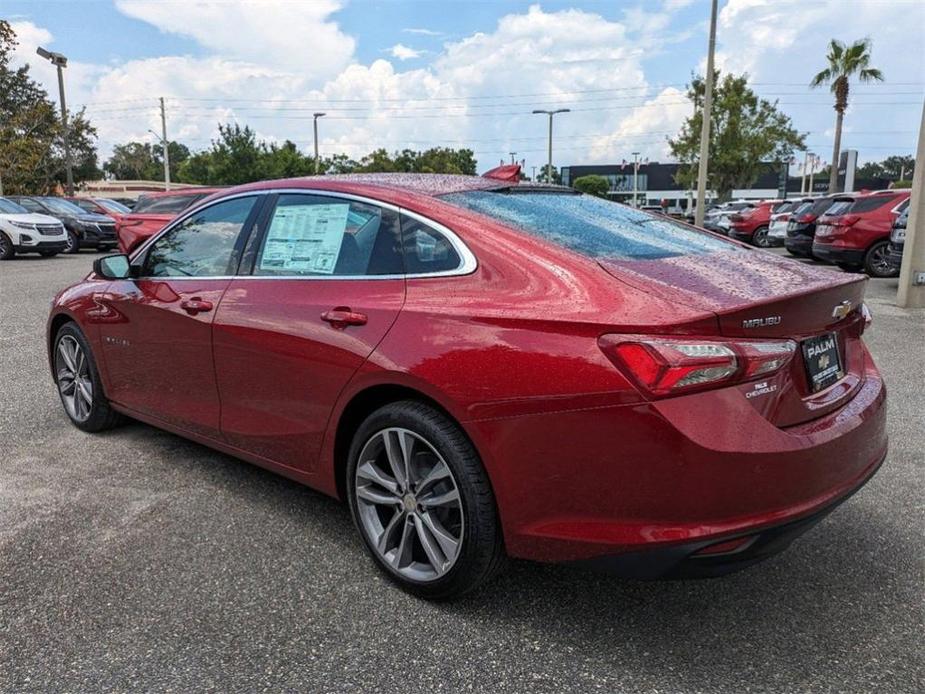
x=315, y=117
x=60, y=62
x=550, y=114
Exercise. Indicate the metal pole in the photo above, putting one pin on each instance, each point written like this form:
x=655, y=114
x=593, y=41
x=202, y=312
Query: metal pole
x=812, y=171
x=166, y=146
x=635, y=177
x=549, y=164
x=705, y=127
x=803, y=174
x=68, y=164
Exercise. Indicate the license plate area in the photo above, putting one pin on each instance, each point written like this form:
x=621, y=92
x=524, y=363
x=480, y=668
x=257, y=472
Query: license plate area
x=822, y=361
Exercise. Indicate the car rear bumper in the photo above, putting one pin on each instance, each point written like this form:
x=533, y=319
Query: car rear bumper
x=694, y=559
x=799, y=244
x=741, y=234
x=675, y=475
x=838, y=254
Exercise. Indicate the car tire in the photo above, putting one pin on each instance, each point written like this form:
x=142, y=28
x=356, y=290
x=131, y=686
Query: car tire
x=877, y=261
x=435, y=533
x=78, y=382
x=760, y=237
x=73, y=243
x=6, y=247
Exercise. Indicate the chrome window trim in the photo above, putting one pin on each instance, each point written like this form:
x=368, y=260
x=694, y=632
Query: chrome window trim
x=468, y=262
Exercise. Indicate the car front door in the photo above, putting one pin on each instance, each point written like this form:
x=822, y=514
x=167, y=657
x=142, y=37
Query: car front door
x=157, y=335
x=324, y=287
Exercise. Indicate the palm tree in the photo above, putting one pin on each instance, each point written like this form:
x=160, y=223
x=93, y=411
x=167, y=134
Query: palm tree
x=844, y=63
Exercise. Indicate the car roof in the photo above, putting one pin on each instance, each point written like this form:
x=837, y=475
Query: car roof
x=207, y=190
x=433, y=185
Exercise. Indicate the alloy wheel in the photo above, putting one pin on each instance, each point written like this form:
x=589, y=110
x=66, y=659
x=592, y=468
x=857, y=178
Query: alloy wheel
x=73, y=375
x=71, y=246
x=879, y=262
x=760, y=238
x=408, y=504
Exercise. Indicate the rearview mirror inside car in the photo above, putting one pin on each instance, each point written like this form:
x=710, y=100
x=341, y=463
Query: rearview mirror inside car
x=112, y=267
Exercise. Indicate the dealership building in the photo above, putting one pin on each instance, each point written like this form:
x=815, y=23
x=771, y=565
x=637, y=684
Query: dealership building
x=655, y=183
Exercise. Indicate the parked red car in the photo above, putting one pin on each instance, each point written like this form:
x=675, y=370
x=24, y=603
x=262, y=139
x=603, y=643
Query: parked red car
x=152, y=212
x=751, y=224
x=110, y=208
x=485, y=368
x=855, y=232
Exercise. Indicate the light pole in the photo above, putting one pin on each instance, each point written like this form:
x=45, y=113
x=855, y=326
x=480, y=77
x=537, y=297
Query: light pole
x=806, y=156
x=60, y=62
x=315, y=117
x=164, y=145
x=512, y=156
x=635, y=177
x=705, y=126
x=549, y=159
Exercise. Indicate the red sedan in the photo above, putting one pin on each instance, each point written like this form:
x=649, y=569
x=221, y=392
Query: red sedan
x=484, y=368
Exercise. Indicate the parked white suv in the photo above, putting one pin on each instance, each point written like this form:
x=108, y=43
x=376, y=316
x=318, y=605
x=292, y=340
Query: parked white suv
x=22, y=231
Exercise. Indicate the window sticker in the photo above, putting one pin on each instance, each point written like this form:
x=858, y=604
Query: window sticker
x=305, y=238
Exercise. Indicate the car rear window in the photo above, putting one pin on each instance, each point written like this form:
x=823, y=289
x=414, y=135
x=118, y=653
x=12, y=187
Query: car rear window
x=591, y=226
x=820, y=206
x=839, y=207
x=167, y=204
x=871, y=203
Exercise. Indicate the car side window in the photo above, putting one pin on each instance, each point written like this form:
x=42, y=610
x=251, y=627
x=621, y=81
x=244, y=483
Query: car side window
x=316, y=236
x=203, y=245
x=85, y=205
x=426, y=249
x=30, y=205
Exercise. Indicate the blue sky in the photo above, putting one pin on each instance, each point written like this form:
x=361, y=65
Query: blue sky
x=419, y=73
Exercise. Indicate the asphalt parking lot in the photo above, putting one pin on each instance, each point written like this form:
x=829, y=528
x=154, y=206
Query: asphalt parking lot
x=136, y=560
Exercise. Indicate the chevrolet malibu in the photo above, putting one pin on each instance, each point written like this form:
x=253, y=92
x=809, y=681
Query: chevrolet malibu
x=486, y=369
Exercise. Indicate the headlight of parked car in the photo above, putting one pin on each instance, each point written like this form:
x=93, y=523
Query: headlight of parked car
x=24, y=225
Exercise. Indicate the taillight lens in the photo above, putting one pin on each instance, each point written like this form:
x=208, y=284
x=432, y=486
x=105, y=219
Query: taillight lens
x=664, y=366
x=845, y=220
x=804, y=219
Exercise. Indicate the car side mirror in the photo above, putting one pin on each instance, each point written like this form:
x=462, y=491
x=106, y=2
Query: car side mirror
x=112, y=267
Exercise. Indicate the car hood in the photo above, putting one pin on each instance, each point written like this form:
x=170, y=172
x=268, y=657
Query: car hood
x=31, y=218
x=740, y=285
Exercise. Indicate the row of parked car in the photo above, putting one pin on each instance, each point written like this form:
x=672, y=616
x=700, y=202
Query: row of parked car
x=858, y=232
x=50, y=225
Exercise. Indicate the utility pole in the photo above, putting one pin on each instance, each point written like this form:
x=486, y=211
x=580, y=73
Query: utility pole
x=705, y=126
x=60, y=62
x=315, y=117
x=165, y=144
x=549, y=149
x=803, y=173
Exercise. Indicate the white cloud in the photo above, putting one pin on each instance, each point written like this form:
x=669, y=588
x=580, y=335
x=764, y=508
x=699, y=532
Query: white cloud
x=422, y=32
x=288, y=36
x=403, y=52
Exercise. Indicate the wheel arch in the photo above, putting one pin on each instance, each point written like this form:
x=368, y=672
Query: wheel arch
x=363, y=403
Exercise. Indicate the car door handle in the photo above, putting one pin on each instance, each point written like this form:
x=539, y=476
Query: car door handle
x=195, y=305
x=342, y=316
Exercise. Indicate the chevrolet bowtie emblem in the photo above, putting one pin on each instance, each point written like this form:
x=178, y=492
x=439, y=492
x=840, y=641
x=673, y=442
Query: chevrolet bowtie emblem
x=842, y=310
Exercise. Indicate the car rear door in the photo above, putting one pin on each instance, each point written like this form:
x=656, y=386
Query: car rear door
x=157, y=334
x=323, y=285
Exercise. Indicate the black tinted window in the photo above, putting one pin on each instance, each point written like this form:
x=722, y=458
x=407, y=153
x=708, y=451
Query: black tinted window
x=820, y=206
x=167, y=204
x=202, y=245
x=872, y=203
x=592, y=226
x=426, y=249
x=315, y=235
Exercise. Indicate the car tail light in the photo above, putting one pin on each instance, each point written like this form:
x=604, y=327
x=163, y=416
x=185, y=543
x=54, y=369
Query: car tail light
x=664, y=366
x=844, y=220
x=804, y=219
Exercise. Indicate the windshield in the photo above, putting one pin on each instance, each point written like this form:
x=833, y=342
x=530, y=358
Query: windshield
x=165, y=204
x=113, y=206
x=591, y=226
x=61, y=206
x=10, y=207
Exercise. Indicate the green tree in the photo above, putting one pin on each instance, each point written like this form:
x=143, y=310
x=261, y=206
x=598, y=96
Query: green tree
x=31, y=135
x=896, y=167
x=745, y=131
x=844, y=62
x=592, y=185
x=133, y=161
